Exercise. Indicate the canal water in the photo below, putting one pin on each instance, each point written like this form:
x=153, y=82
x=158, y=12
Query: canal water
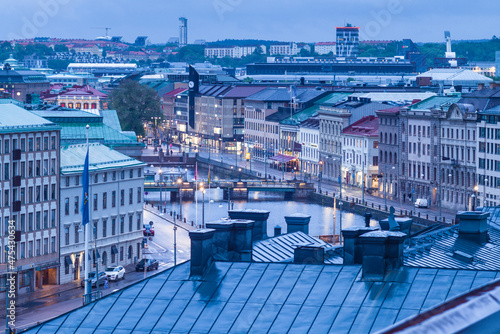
x=216, y=208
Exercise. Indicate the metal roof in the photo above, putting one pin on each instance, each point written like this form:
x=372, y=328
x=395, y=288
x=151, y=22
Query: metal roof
x=436, y=102
x=100, y=157
x=454, y=75
x=281, y=248
x=242, y=297
x=17, y=119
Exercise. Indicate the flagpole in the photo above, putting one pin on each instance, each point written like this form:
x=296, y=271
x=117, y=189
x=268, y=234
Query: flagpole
x=196, y=193
x=86, y=234
x=208, y=194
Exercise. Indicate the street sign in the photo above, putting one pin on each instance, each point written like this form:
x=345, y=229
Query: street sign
x=145, y=193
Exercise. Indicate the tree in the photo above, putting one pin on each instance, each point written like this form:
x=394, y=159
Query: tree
x=60, y=48
x=135, y=104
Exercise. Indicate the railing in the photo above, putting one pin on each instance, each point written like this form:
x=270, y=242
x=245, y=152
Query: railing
x=236, y=184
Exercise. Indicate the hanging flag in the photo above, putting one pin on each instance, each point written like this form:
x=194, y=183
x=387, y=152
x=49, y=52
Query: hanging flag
x=85, y=184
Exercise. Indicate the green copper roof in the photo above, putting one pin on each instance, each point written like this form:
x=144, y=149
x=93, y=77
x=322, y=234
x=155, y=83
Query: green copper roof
x=73, y=133
x=110, y=118
x=330, y=99
x=436, y=102
x=100, y=157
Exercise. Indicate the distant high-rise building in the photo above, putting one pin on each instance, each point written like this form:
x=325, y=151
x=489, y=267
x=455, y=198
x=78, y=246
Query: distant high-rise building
x=183, y=32
x=347, y=41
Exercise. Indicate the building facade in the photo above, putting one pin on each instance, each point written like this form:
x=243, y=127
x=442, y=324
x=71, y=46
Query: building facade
x=309, y=139
x=347, y=41
x=183, y=32
x=233, y=51
x=116, y=187
x=360, y=153
x=29, y=184
x=324, y=48
x=389, y=150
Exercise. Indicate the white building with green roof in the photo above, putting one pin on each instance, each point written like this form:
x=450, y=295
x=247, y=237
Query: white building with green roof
x=116, y=190
x=29, y=185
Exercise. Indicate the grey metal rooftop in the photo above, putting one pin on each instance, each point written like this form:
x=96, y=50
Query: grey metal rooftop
x=240, y=297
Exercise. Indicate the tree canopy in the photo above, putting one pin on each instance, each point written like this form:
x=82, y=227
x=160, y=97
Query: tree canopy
x=135, y=104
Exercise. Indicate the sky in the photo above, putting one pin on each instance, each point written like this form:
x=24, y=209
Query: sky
x=212, y=20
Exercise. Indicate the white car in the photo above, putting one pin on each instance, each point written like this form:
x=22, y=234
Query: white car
x=115, y=273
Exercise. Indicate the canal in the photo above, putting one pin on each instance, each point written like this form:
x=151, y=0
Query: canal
x=216, y=207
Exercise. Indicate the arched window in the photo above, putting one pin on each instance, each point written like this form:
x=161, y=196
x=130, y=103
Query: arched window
x=385, y=156
x=130, y=251
x=395, y=158
x=390, y=138
x=104, y=258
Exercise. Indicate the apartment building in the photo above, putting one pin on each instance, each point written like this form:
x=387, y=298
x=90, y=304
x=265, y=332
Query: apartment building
x=116, y=187
x=29, y=182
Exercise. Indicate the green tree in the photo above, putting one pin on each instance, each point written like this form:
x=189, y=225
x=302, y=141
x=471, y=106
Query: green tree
x=58, y=64
x=60, y=48
x=135, y=104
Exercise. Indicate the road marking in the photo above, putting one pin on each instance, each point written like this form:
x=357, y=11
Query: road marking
x=164, y=250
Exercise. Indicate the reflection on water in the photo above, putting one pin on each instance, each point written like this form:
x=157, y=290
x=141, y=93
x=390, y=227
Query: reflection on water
x=216, y=208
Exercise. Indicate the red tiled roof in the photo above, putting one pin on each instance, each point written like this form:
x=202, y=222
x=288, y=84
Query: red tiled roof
x=325, y=43
x=175, y=92
x=366, y=127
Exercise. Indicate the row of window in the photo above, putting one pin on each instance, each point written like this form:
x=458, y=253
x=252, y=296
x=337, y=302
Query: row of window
x=32, y=221
x=34, y=144
x=32, y=248
x=35, y=168
x=104, y=198
x=104, y=176
x=35, y=194
x=79, y=105
x=102, y=229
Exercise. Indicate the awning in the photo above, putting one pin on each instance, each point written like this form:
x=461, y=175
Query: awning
x=68, y=261
x=282, y=158
x=114, y=250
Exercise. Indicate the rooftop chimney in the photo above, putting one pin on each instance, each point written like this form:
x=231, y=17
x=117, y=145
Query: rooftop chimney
x=473, y=225
x=382, y=253
x=353, y=249
x=201, y=250
x=309, y=255
x=232, y=239
x=297, y=222
x=480, y=86
x=259, y=217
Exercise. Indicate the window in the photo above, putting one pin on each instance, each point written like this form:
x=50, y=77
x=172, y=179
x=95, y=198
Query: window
x=30, y=249
x=45, y=143
x=53, y=166
x=46, y=192
x=53, y=142
x=121, y=253
x=113, y=198
x=6, y=198
x=53, y=218
x=30, y=221
x=66, y=235
x=53, y=191
x=96, y=178
x=122, y=197
x=130, y=219
x=66, y=206
x=77, y=204
x=23, y=144
x=114, y=176
x=139, y=193
x=113, y=226
x=38, y=219
x=53, y=244
x=23, y=222
x=38, y=244
x=122, y=224
x=77, y=233
x=6, y=171
x=95, y=202
x=104, y=228
x=23, y=169
x=37, y=145
x=6, y=146
x=30, y=169
x=46, y=219
x=38, y=168
x=130, y=196
x=37, y=193
x=139, y=172
x=45, y=245
x=131, y=174
x=139, y=222
x=130, y=251
x=23, y=246
x=30, y=144
x=104, y=200
x=105, y=177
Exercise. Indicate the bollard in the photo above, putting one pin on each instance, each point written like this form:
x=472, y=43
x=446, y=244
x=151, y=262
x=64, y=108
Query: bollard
x=372, y=205
x=427, y=216
x=435, y=219
x=326, y=193
x=379, y=207
x=192, y=223
x=419, y=215
x=453, y=222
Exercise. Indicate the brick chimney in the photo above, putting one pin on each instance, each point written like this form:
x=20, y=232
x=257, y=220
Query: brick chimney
x=353, y=249
x=259, y=217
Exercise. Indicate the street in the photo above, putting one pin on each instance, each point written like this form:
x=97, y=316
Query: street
x=66, y=297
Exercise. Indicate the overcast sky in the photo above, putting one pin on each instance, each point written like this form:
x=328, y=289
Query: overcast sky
x=291, y=20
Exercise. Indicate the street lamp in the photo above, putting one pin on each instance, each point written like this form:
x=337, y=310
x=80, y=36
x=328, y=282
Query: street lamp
x=203, y=206
x=179, y=182
x=320, y=176
x=486, y=180
x=161, y=200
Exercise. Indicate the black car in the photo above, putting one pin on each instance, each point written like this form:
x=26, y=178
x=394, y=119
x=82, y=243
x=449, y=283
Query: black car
x=151, y=265
x=102, y=279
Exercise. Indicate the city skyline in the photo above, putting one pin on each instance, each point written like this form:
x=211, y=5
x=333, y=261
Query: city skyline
x=237, y=19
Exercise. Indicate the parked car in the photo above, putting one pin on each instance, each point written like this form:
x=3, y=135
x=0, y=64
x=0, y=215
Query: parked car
x=151, y=265
x=421, y=203
x=115, y=273
x=148, y=230
x=93, y=279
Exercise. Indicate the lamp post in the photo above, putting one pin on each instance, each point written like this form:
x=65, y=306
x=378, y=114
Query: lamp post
x=484, y=190
x=179, y=182
x=203, y=207
x=161, y=200
x=363, y=182
x=320, y=176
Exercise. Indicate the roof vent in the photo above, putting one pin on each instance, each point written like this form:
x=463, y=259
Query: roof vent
x=459, y=255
